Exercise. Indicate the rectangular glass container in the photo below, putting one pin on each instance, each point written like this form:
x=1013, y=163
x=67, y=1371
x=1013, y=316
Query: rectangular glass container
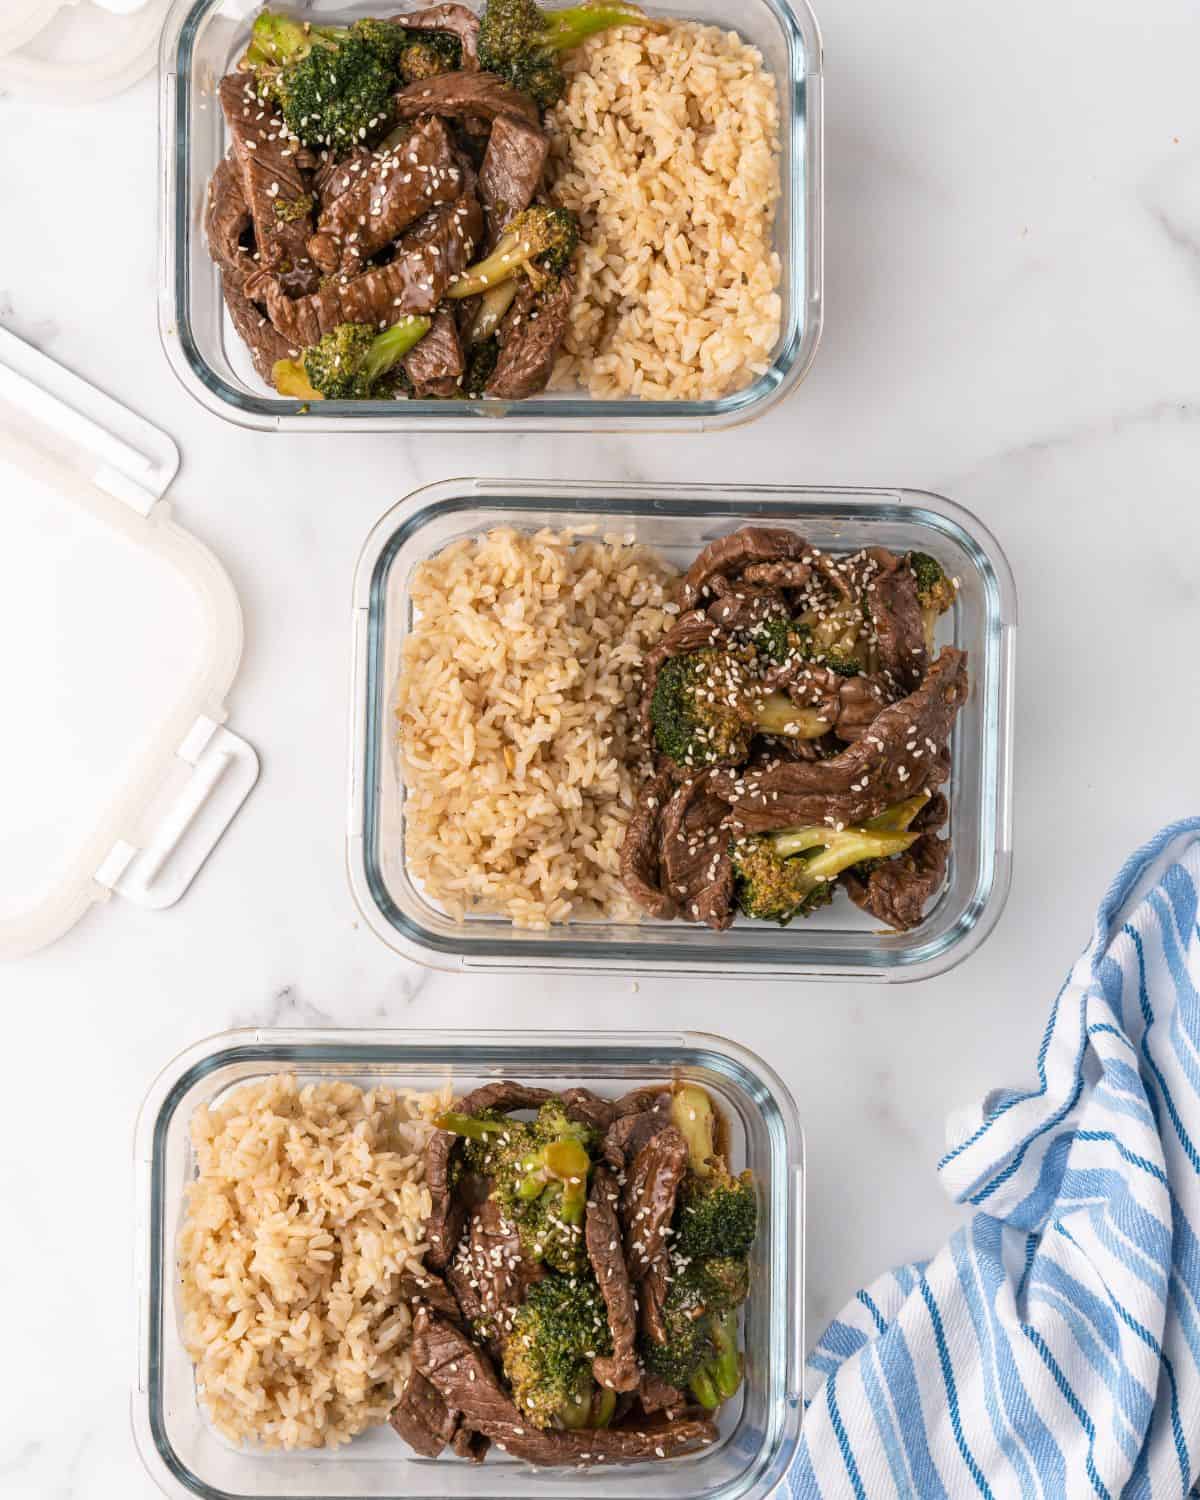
x=759, y=1431
x=678, y=520
x=201, y=41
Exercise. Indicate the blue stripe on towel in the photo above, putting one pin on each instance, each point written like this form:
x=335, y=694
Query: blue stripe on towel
x=1052, y=1349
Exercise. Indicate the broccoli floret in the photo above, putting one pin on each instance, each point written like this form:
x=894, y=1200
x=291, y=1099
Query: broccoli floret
x=718, y=1216
x=716, y=1219
x=789, y=874
x=481, y=365
x=557, y=1332
x=724, y=1281
x=428, y=53
x=706, y=708
x=842, y=664
x=539, y=1174
x=538, y=243
x=351, y=363
x=333, y=84
x=523, y=43
x=776, y=638
x=934, y=591
x=700, y=1353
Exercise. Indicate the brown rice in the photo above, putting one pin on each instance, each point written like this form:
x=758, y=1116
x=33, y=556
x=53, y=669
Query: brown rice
x=307, y=1208
x=667, y=147
x=516, y=710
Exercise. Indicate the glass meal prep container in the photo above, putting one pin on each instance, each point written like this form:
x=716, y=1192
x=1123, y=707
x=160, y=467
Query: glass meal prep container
x=677, y=521
x=759, y=1429
x=201, y=41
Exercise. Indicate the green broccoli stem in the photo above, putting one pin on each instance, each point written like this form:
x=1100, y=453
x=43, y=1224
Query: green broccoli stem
x=719, y=1379
x=692, y=1114
x=562, y=1165
x=841, y=849
x=277, y=40
x=511, y=254
x=469, y=1127
x=564, y=29
x=775, y=713
x=494, y=303
x=604, y=1407
x=797, y=840
x=393, y=344
x=898, y=818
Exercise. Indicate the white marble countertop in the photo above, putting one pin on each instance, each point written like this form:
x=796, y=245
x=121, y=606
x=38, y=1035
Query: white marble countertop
x=1013, y=315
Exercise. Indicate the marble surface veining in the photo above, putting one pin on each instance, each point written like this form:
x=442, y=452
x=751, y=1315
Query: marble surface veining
x=1013, y=318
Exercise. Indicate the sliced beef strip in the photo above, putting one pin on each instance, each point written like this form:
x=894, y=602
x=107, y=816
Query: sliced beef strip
x=511, y=172
x=731, y=554
x=462, y=1282
x=787, y=573
x=395, y=189
x=638, y=1101
x=430, y=1291
x=463, y=95
x=898, y=891
x=504, y=1097
x=652, y=1295
x=627, y=1135
x=648, y=1198
x=467, y=1380
x=891, y=594
x=741, y=606
x=641, y=871
x=586, y=1108
x=530, y=334
x=656, y=1395
x=456, y=19
x=276, y=189
x=256, y=331
x=444, y=1227
x=851, y=704
x=902, y=753
x=472, y=1446
x=602, y=1235
x=933, y=815
x=337, y=174
x=226, y=219
x=422, y=1418
x=436, y=249
x=696, y=868
x=860, y=700
x=495, y=1269
x=436, y=365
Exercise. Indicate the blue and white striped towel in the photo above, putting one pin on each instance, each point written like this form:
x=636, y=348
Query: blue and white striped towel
x=1052, y=1348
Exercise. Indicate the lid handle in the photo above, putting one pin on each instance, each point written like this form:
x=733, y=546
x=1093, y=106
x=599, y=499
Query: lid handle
x=224, y=769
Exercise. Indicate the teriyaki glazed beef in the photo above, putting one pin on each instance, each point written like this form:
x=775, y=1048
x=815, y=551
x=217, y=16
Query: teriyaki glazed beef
x=800, y=725
x=587, y=1262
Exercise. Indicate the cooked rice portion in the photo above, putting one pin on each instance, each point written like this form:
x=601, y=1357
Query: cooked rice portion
x=517, y=711
x=667, y=147
x=307, y=1208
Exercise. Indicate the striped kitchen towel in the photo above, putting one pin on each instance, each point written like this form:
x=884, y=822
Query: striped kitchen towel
x=1052, y=1348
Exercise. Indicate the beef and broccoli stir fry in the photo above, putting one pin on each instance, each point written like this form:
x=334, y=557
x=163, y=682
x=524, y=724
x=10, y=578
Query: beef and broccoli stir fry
x=380, y=222
x=587, y=1260
x=799, y=722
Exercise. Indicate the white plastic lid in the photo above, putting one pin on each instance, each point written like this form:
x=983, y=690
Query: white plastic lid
x=78, y=50
x=120, y=636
